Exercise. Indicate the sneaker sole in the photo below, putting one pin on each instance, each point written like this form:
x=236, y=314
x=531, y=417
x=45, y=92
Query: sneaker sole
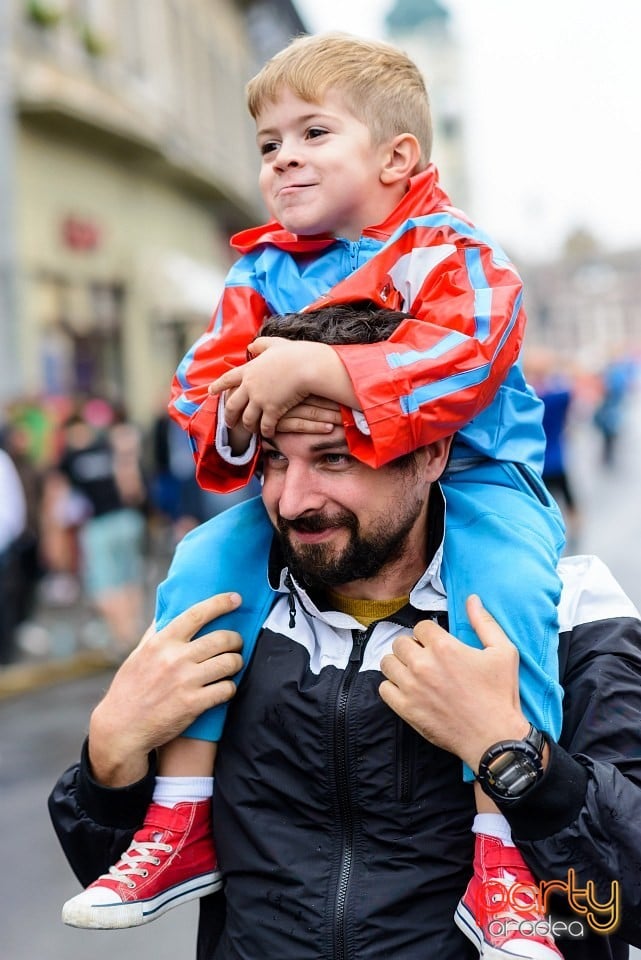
x=464, y=920
x=118, y=916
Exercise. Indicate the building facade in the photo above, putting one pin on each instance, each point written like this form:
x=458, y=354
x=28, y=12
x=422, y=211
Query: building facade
x=128, y=160
x=586, y=306
x=424, y=30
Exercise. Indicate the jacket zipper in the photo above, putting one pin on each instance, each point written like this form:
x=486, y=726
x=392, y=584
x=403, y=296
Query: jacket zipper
x=359, y=638
x=354, y=251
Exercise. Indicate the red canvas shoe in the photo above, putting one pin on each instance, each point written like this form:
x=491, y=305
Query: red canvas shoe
x=171, y=859
x=500, y=911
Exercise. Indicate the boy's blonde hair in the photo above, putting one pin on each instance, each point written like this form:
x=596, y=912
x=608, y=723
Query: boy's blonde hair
x=381, y=86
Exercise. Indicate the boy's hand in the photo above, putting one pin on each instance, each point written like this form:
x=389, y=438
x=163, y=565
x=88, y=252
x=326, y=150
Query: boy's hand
x=316, y=415
x=281, y=375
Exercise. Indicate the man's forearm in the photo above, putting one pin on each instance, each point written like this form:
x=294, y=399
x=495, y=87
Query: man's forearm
x=115, y=757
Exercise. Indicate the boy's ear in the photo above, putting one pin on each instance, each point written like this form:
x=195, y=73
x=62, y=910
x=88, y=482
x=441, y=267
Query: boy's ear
x=401, y=159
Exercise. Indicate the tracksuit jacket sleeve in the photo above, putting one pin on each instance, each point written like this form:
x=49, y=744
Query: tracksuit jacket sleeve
x=444, y=366
x=236, y=320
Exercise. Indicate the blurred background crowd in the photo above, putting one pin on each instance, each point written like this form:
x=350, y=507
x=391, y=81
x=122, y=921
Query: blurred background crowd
x=127, y=159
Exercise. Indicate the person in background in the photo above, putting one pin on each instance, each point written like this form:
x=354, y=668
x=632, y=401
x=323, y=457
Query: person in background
x=13, y=520
x=106, y=491
x=555, y=387
x=617, y=377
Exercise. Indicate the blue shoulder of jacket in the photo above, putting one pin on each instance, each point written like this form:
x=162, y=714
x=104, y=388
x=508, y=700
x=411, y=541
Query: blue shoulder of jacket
x=228, y=553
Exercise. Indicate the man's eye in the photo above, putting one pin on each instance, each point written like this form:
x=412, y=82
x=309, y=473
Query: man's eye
x=337, y=459
x=268, y=147
x=274, y=457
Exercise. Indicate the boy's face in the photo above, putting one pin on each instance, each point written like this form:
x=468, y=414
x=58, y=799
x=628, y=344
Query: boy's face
x=320, y=173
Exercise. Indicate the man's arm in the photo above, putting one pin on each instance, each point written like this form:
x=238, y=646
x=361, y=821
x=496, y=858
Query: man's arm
x=585, y=813
x=160, y=689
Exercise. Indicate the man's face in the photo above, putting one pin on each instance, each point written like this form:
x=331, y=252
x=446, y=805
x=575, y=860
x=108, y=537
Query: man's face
x=320, y=172
x=342, y=523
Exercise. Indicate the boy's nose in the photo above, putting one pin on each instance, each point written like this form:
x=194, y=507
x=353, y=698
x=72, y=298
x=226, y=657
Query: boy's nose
x=288, y=156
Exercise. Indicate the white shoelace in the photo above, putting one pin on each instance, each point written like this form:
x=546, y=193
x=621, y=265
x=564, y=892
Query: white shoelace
x=131, y=864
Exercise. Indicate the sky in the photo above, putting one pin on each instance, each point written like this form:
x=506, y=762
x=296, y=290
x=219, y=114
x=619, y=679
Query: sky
x=552, y=113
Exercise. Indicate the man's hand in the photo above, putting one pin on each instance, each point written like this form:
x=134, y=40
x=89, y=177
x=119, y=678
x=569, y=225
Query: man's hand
x=164, y=684
x=281, y=375
x=460, y=698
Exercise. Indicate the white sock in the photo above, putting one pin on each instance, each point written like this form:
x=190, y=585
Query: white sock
x=168, y=791
x=493, y=825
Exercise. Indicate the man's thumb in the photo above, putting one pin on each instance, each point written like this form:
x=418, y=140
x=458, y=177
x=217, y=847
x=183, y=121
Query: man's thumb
x=489, y=632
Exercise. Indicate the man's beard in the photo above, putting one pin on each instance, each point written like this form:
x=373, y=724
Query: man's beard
x=320, y=565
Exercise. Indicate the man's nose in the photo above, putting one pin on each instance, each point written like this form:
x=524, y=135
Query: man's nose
x=299, y=493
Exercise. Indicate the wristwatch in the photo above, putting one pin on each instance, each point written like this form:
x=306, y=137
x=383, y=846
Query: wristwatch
x=508, y=769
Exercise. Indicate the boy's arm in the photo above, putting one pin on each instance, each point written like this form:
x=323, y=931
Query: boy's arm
x=441, y=368
x=282, y=375
x=234, y=324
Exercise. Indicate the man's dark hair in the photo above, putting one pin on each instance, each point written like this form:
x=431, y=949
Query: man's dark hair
x=349, y=323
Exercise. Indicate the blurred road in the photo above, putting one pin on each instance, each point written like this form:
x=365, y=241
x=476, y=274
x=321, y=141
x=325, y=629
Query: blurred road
x=41, y=732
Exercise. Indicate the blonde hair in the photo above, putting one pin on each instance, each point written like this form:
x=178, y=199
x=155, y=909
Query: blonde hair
x=381, y=86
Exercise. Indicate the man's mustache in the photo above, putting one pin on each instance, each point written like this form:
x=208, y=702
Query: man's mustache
x=316, y=522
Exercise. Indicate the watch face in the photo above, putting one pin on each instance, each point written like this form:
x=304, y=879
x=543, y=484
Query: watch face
x=508, y=769
x=511, y=774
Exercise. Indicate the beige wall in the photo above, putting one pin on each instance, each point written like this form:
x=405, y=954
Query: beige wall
x=141, y=217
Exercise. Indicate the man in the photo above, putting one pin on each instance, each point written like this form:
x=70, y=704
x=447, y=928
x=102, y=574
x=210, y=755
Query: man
x=342, y=833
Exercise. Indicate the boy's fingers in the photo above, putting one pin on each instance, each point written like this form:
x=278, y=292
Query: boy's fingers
x=299, y=425
x=228, y=380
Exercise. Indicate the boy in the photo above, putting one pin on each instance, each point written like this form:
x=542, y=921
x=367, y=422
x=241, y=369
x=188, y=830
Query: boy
x=343, y=127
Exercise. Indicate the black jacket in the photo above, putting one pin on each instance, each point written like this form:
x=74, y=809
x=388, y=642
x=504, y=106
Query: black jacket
x=344, y=835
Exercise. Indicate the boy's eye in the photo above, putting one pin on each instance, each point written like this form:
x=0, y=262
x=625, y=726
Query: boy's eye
x=315, y=132
x=268, y=147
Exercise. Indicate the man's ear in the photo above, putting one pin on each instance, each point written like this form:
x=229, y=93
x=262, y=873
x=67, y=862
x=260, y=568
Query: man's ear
x=438, y=455
x=401, y=159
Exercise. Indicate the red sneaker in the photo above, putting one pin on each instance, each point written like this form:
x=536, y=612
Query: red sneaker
x=171, y=859
x=500, y=911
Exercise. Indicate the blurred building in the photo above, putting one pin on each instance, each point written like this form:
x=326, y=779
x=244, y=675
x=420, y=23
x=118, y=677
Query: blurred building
x=586, y=305
x=127, y=158
x=424, y=30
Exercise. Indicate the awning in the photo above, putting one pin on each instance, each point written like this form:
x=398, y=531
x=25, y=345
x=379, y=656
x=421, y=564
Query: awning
x=179, y=286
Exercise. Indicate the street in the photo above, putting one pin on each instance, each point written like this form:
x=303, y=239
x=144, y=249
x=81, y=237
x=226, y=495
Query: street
x=41, y=733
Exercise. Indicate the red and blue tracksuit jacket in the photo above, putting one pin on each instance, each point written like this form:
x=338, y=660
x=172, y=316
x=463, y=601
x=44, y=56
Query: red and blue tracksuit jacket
x=452, y=368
